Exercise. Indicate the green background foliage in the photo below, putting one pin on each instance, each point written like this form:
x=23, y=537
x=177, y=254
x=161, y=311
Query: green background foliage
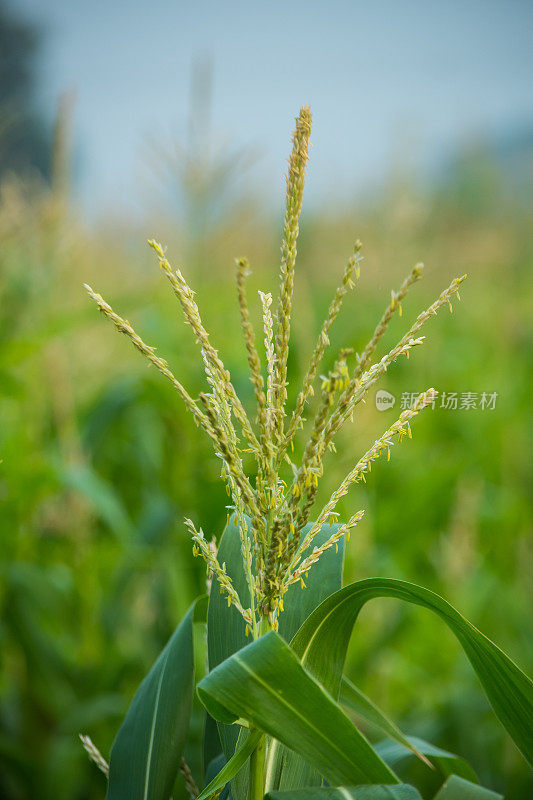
x=100, y=462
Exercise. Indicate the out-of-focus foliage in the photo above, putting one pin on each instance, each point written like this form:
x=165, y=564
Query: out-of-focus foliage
x=100, y=463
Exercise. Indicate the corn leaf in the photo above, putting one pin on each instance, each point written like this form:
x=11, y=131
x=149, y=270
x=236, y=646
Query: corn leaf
x=322, y=641
x=229, y=770
x=323, y=580
x=286, y=769
x=211, y=746
x=398, y=792
x=214, y=767
x=225, y=626
x=353, y=699
x=398, y=756
x=266, y=685
x=457, y=788
x=147, y=749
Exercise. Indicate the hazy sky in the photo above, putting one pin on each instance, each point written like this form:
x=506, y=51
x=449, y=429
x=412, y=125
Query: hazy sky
x=382, y=77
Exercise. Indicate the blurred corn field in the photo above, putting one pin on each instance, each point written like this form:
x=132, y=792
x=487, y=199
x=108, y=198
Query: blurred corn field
x=100, y=462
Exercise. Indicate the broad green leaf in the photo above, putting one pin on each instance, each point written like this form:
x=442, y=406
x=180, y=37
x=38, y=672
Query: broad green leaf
x=212, y=748
x=399, y=792
x=322, y=641
x=359, y=704
x=323, y=580
x=146, y=752
x=447, y=763
x=457, y=788
x=226, y=629
x=214, y=767
x=285, y=768
x=225, y=626
x=229, y=770
x=265, y=684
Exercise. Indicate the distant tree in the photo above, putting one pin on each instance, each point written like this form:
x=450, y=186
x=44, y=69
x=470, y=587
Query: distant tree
x=24, y=139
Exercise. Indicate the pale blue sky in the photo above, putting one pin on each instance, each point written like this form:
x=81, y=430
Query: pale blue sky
x=383, y=78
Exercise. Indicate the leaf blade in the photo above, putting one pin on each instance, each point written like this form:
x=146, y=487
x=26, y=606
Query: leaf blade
x=265, y=684
x=145, y=754
x=328, y=630
x=457, y=788
x=395, y=754
x=226, y=630
x=232, y=767
x=377, y=792
x=353, y=699
x=323, y=580
x=284, y=768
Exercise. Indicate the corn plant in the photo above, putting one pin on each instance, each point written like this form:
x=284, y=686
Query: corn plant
x=281, y=719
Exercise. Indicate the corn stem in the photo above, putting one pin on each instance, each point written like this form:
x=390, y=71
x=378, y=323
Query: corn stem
x=256, y=788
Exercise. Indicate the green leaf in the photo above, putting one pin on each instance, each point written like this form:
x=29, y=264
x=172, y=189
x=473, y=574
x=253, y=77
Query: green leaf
x=226, y=629
x=147, y=749
x=322, y=641
x=447, y=763
x=211, y=746
x=229, y=770
x=456, y=788
x=265, y=684
x=399, y=792
x=285, y=768
x=359, y=704
x=214, y=767
x=323, y=580
x=225, y=626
